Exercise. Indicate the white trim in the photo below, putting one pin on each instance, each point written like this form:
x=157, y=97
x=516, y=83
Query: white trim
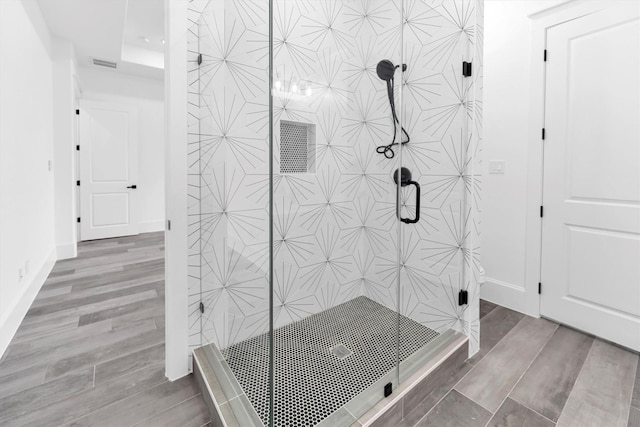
x=12, y=318
x=176, y=259
x=151, y=226
x=67, y=250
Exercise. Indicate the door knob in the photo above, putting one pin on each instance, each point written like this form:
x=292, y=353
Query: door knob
x=132, y=186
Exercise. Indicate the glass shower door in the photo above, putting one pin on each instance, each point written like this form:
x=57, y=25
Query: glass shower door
x=334, y=209
x=438, y=198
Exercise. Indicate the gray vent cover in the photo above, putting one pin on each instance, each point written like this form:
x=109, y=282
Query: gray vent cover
x=297, y=147
x=103, y=63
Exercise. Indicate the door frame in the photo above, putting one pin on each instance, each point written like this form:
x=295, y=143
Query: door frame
x=529, y=301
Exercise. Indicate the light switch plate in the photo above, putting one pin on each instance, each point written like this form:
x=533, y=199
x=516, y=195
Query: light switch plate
x=497, y=166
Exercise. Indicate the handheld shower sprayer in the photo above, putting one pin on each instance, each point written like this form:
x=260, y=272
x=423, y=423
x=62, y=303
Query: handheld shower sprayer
x=386, y=71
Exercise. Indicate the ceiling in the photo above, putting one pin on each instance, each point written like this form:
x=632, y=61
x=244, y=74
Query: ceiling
x=128, y=32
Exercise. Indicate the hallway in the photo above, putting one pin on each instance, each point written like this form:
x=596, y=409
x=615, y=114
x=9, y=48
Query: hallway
x=91, y=349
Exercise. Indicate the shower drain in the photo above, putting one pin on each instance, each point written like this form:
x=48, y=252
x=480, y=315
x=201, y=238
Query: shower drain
x=341, y=351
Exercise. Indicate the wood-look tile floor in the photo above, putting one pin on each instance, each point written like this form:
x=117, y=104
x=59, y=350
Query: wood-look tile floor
x=90, y=353
x=533, y=372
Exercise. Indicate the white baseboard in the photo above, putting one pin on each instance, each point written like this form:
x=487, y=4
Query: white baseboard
x=511, y=296
x=67, y=250
x=151, y=226
x=10, y=321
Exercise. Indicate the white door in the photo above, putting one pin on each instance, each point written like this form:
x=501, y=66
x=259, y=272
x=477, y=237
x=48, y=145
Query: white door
x=591, y=224
x=108, y=170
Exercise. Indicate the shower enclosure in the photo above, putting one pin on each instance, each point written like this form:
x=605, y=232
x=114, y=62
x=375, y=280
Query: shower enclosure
x=334, y=156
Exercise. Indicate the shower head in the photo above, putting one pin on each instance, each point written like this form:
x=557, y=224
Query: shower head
x=385, y=70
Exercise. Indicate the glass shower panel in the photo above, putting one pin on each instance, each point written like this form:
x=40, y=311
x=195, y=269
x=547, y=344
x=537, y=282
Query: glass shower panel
x=334, y=215
x=229, y=196
x=438, y=253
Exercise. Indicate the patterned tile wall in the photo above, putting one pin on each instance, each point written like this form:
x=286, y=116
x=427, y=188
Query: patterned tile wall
x=336, y=235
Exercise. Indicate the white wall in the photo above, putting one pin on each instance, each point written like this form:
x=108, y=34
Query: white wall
x=147, y=95
x=177, y=361
x=506, y=123
x=26, y=147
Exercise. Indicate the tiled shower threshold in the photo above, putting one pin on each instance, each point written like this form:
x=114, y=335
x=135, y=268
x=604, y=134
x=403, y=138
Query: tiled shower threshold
x=317, y=387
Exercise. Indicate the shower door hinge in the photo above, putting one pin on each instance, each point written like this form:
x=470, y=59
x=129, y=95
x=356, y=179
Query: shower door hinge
x=201, y=307
x=544, y=133
x=463, y=297
x=77, y=148
x=78, y=183
x=78, y=219
x=169, y=224
x=388, y=389
x=77, y=112
x=539, y=288
x=199, y=58
x=541, y=211
x=545, y=55
x=466, y=69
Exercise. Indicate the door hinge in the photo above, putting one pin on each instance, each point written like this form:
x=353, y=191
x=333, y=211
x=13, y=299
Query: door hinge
x=463, y=297
x=78, y=219
x=201, y=307
x=544, y=133
x=539, y=288
x=466, y=69
x=77, y=148
x=545, y=55
x=77, y=112
x=78, y=183
x=169, y=224
x=541, y=211
x=199, y=59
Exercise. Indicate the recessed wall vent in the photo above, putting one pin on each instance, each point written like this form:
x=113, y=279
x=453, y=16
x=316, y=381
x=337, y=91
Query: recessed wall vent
x=297, y=147
x=103, y=63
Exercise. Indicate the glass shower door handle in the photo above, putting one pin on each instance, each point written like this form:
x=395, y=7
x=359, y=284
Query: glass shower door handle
x=405, y=180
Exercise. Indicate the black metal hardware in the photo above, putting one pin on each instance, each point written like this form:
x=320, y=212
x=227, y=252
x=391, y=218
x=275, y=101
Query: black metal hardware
x=78, y=219
x=545, y=55
x=78, y=183
x=386, y=71
x=463, y=297
x=201, y=307
x=388, y=389
x=199, y=58
x=539, y=288
x=169, y=224
x=543, y=133
x=541, y=211
x=132, y=186
x=77, y=112
x=405, y=179
x=77, y=148
x=466, y=69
